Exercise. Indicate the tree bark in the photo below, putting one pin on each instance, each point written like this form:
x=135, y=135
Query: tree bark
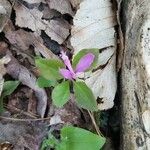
x=135, y=75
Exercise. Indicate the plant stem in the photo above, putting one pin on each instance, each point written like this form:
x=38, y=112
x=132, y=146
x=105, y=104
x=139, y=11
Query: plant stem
x=94, y=123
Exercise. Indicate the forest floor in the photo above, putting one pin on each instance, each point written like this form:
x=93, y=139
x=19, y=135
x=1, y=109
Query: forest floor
x=27, y=118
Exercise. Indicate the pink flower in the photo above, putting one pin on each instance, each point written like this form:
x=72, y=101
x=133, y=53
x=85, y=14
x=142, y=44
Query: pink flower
x=84, y=63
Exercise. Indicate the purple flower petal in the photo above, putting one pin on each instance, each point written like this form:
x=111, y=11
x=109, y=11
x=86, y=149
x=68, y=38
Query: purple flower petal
x=85, y=62
x=67, y=61
x=66, y=73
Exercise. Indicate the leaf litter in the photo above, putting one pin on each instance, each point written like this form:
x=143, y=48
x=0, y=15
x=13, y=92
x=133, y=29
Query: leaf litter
x=24, y=30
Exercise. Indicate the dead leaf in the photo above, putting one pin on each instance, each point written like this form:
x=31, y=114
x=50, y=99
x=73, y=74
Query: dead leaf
x=75, y=3
x=32, y=19
x=32, y=105
x=33, y=1
x=1, y=84
x=3, y=61
x=68, y=115
x=94, y=28
x=62, y=6
x=22, y=135
x=49, y=13
x=22, y=74
x=60, y=27
x=23, y=40
x=29, y=18
x=5, y=12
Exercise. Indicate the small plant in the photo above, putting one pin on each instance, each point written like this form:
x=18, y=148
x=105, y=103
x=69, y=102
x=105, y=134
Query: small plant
x=8, y=88
x=73, y=138
x=64, y=77
x=53, y=71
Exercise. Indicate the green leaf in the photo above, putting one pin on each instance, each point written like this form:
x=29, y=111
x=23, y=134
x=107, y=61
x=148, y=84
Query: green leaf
x=84, y=96
x=50, y=142
x=9, y=87
x=49, y=69
x=61, y=93
x=80, y=139
x=42, y=82
x=1, y=105
x=62, y=145
x=83, y=52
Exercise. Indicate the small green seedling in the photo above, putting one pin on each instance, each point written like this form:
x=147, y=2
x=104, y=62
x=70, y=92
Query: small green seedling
x=8, y=88
x=62, y=75
x=73, y=138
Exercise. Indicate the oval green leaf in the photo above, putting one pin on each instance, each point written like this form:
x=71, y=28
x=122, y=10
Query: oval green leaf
x=49, y=69
x=42, y=82
x=9, y=87
x=80, y=139
x=84, y=96
x=61, y=93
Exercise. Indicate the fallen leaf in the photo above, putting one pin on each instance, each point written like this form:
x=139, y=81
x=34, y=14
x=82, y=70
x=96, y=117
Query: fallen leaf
x=29, y=18
x=22, y=135
x=33, y=1
x=5, y=12
x=32, y=19
x=49, y=13
x=75, y=3
x=1, y=84
x=62, y=6
x=23, y=40
x=93, y=27
x=3, y=61
x=60, y=30
x=69, y=114
x=22, y=74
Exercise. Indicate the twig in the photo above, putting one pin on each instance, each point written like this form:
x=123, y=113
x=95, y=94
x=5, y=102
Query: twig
x=24, y=120
x=94, y=123
x=22, y=111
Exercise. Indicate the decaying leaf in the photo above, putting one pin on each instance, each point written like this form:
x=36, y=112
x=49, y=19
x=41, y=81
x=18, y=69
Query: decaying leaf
x=75, y=3
x=5, y=11
x=23, y=40
x=3, y=61
x=33, y=1
x=94, y=28
x=49, y=13
x=32, y=19
x=62, y=6
x=60, y=30
x=67, y=115
x=22, y=74
x=22, y=135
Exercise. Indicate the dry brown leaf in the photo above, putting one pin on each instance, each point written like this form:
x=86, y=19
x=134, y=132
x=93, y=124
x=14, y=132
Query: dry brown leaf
x=33, y=1
x=22, y=74
x=5, y=12
x=61, y=28
x=32, y=19
x=23, y=40
x=62, y=6
x=3, y=61
x=22, y=135
x=75, y=3
x=68, y=115
x=94, y=28
x=49, y=13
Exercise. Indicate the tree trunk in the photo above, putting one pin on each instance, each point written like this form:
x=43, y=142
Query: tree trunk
x=135, y=75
